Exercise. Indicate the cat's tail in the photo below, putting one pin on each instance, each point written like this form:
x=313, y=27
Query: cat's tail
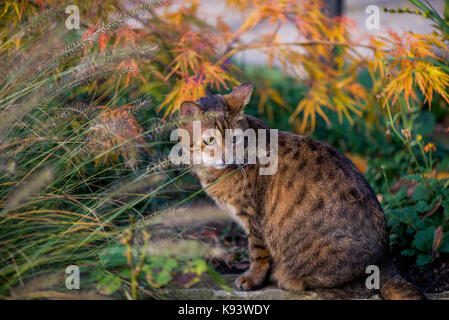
x=394, y=287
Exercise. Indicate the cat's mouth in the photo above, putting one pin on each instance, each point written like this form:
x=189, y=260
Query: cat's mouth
x=215, y=166
x=208, y=161
x=220, y=166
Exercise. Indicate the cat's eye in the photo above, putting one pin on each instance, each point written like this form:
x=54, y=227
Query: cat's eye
x=209, y=140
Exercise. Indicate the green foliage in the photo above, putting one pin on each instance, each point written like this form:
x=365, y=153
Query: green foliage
x=428, y=11
x=415, y=218
x=118, y=271
x=109, y=284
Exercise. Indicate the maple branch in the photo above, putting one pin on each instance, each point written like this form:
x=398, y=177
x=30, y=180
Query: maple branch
x=233, y=51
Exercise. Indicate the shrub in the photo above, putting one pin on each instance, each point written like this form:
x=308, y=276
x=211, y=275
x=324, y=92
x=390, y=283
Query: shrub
x=72, y=172
x=83, y=153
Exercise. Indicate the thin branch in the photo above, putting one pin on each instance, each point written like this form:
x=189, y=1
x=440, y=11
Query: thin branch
x=243, y=47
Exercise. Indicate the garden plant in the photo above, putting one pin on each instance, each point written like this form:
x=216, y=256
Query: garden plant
x=86, y=115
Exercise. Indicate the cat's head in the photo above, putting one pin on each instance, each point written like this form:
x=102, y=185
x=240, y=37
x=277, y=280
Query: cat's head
x=215, y=114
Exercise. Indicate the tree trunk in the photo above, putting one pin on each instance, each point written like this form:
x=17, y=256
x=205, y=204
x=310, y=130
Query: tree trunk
x=335, y=7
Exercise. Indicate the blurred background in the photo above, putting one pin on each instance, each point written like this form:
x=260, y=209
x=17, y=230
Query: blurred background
x=354, y=10
x=90, y=92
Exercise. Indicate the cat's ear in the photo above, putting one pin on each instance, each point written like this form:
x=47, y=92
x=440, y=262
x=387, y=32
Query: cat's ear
x=239, y=97
x=189, y=109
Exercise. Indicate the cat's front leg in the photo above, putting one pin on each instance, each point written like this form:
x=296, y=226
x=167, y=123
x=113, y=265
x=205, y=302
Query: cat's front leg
x=260, y=260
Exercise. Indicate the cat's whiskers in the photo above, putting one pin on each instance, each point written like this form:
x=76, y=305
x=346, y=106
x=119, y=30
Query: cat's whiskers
x=245, y=177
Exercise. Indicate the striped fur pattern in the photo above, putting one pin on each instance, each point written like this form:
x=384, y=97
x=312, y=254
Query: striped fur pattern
x=315, y=223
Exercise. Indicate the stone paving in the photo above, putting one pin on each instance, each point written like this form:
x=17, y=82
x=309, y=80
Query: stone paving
x=208, y=289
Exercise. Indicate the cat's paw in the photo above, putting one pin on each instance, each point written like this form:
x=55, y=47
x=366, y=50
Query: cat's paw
x=248, y=281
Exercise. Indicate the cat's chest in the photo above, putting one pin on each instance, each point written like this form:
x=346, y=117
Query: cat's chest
x=229, y=196
x=235, y=213
x=231, y=193
x=228, y=200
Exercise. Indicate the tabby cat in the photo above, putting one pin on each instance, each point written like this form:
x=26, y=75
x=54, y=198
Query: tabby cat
x=315, y=223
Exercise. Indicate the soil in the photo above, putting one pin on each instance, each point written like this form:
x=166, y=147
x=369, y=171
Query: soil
x=230, y=236
x=433, y=279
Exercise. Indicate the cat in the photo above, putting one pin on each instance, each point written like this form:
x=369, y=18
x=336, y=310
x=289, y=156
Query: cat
x=315, y=223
